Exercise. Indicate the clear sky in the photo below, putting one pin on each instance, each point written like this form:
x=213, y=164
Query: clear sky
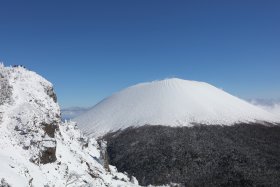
x=90, y=49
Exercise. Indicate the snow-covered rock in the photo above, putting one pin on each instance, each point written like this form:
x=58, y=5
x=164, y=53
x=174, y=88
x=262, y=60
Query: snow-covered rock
x=30, y=113
x=36, y=148
x=171, y=102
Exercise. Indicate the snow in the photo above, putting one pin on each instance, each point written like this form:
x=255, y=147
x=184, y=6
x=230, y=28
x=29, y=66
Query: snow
x=71, y=168
x=26, y=103
x=172, y=102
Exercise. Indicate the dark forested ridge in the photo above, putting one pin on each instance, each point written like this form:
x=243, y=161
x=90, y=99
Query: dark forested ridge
x=238, y=155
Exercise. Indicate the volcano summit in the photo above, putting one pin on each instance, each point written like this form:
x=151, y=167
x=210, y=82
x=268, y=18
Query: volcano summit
x=170, y=102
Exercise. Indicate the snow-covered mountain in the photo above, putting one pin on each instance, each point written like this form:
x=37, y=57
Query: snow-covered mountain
x=171, y=102
x=36, y=148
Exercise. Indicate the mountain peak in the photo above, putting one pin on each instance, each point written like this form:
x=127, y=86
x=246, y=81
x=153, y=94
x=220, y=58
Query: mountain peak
x=171, y=102
x=171, y=81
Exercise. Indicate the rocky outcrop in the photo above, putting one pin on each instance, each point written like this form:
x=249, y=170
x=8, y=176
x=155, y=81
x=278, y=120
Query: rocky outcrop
x=37, y=148
x=3, y=183
x=32, y=114
x=47, y=155
x=239, y=155
x=50, y=92
x=50, y=129
x=104, y=158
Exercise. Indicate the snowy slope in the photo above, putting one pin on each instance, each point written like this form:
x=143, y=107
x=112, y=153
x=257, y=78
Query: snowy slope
x=36, y=148
x=172, y=102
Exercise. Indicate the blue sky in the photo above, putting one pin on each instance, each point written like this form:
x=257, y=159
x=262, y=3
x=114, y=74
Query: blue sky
x=90, y=49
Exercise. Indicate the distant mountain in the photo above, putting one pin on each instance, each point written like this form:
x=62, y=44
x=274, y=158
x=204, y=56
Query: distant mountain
x=72, y=112
x=37, y=149
x=171, y=102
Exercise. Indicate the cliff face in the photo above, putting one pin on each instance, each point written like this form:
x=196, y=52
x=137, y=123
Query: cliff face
x=36, y=148
x=30, y=113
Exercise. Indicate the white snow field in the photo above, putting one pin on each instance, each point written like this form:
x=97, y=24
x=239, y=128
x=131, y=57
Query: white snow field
x=27, y=102
x=172, y=102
